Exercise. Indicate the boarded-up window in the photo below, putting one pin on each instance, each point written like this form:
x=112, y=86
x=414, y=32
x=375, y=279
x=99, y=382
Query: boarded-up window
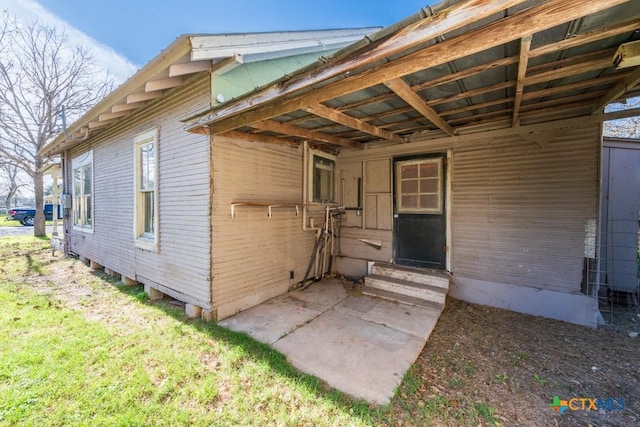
x=419, y=186
x=82, y=167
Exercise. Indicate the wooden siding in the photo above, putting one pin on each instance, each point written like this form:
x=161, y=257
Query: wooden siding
x=252, y=253
x=521, y=206
x=182, y=264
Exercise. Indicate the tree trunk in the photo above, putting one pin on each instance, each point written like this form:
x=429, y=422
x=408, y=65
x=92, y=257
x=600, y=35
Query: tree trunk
x=39, y=228
x=7, y=203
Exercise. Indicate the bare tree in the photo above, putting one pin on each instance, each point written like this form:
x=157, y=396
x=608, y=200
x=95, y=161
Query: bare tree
x=40, y=72
x=624, y=128
x=11, y=175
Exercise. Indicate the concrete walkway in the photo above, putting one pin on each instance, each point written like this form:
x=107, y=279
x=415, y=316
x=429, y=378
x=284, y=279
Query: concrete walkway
x=360, y=345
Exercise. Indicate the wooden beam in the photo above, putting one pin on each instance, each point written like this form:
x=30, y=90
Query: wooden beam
x=274, y=126
x=110, y=116
x=503, y=62
x=474, y=92
x=543, y=50
x=257, y=137
x=352, y=122
x=95, y=124
x=523, y=62
x=143, y=96
x=403, y=90
x=579, y=40
x=161, y=84
x=622, y=114
x=476, y=106
x=176, y=70
x=225, y=65
x=572, y=60
x=564, y=100
x=127, y=107
x=366, y=102
x=268, y=103
x=573, y=86
x=619, y=89
x=571, y=70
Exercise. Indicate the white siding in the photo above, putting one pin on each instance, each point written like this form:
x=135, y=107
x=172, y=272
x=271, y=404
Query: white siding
x=182, y=264
x=252, y=253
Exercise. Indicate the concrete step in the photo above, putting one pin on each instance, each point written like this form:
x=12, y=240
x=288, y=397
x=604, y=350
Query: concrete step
x=404, y=287
x=418, y=275
x=392, y=296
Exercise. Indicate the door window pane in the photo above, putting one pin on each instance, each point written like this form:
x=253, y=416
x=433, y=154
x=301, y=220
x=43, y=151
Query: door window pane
x=419, y=186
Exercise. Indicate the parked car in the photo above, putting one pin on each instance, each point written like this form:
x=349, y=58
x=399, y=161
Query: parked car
x=26, y=215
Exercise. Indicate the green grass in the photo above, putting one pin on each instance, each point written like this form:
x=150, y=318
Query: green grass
x=4, y=222
x=84, y=350
x=59, y=366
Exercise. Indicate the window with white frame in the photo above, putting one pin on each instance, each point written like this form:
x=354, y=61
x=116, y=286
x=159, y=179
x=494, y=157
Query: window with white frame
x=82, y=169
x=146, y=176
x=323, y=167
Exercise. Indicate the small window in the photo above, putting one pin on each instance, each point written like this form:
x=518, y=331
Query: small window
x=323, y=170
x=82, y=167
x=419, y=186
x=146, y=176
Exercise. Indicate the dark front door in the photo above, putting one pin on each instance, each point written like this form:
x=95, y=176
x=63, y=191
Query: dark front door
x=419, y=224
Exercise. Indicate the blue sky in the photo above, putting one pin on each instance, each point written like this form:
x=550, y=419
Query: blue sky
x=140, y=29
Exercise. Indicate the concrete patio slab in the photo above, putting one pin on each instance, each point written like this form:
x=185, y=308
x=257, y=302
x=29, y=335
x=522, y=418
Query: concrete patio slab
x=360, y=345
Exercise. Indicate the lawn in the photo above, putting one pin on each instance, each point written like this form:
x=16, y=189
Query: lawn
x=77, y=348
x=4, y=222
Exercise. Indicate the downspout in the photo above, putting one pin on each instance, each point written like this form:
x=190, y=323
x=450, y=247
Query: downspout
x=85, y=131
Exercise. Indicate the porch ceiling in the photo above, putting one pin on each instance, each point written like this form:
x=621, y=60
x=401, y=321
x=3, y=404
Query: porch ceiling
x=461, y=66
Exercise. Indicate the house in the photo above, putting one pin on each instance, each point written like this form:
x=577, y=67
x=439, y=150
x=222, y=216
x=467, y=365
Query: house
x=466, y=139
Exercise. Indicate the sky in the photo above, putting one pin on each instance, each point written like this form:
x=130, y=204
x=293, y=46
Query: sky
x=125, y=34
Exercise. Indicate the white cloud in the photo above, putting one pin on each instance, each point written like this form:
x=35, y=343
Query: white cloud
x=106, y=58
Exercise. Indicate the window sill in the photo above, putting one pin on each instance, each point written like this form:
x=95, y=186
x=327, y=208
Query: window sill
x=83, y=229
x=146, y=244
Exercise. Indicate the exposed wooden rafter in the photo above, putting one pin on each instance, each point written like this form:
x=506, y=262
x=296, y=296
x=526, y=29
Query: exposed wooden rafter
x=352, y=122
x=585, y=38
x=110, y=116
x=176, y=70
x=144, y=96
x=584, y=84
x=403, y=90
x=128, y=106
x=621, y=87
x=162, y=84
x=258, y=137
x=530, y=21
x=448, y=78
x=274, y=126
x=525, y=46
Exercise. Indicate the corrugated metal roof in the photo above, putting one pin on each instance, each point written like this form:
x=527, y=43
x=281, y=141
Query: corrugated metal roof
x=453, y=68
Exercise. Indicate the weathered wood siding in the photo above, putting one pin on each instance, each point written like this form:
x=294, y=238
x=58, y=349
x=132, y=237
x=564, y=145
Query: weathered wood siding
x=182, y=264
x=523, y=209
x=253, y=254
